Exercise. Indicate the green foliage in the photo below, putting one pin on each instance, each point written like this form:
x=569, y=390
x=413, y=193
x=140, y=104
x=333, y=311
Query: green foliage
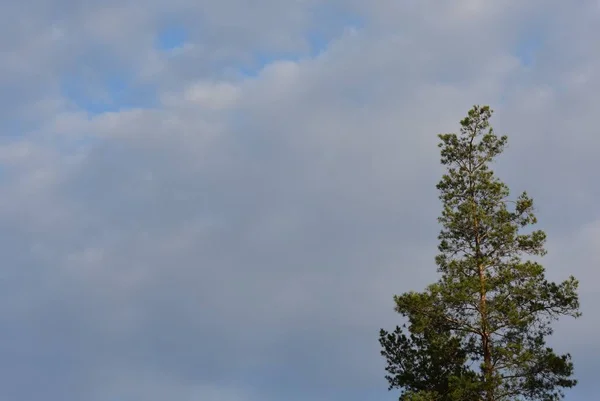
x=479, y=332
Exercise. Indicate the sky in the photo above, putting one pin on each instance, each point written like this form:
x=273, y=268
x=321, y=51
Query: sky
x=216, y=200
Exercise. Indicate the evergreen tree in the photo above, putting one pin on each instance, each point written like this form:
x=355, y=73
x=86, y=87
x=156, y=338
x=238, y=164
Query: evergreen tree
x=479, y=332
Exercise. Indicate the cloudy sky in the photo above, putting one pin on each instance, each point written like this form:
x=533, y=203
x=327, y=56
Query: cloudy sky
x=216, y=200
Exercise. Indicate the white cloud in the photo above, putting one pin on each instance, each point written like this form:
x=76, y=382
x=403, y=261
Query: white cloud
x=212, y=96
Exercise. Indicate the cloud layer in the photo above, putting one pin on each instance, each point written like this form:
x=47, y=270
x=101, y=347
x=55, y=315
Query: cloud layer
x=226, y=212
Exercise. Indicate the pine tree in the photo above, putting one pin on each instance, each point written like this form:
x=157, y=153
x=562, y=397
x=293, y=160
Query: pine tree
x=478, y=333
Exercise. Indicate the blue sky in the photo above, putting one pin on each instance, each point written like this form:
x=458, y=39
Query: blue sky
x=171, y=37
x=217, y=200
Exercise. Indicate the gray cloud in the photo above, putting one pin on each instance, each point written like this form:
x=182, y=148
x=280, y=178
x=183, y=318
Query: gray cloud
x=242, y=240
